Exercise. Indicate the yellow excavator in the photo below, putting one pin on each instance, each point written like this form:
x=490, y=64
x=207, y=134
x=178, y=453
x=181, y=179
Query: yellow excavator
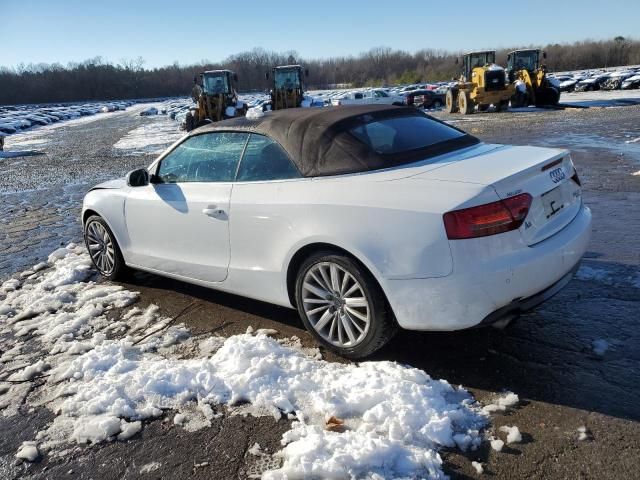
x=482, y=83
x=532, y=85
x=216, y=98
x=287, y=86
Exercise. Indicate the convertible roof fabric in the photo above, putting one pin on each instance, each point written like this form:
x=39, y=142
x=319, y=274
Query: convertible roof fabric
x=318, y=139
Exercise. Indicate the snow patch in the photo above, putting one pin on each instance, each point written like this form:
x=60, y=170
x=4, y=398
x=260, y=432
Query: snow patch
x=104, y=375
x=150, y=467
x=152, y=138
x=502, y=403
x=496, y=444
x=28, y=451
x=478, y=467
x=513, y=434
x=255, y=113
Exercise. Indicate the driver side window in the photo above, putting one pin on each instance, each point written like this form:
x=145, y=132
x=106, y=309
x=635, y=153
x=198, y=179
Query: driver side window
x=209, y=157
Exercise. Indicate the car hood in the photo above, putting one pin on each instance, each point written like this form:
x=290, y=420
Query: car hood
x=111, y=184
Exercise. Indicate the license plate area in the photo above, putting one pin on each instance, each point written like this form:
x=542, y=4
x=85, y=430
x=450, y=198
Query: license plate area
x=552, y=202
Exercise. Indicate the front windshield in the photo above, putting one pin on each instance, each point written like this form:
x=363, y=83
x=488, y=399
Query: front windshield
x=482, y=59
x=526, y=60
x=287, y=79
x=215, y=84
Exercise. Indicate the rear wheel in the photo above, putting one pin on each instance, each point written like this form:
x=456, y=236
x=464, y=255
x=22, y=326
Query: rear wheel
x=189, y=121
x=451, y=101
x=465, y=104
x=342, y=306
x=103, y=248
x=502, y=105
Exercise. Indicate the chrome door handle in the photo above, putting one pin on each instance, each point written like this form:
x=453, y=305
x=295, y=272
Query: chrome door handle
x=213, y=211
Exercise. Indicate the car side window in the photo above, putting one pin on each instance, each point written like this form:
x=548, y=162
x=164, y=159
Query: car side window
x=263, y=160
x=208, y=157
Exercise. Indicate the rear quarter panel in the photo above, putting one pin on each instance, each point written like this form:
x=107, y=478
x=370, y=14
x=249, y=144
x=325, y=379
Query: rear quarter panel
x=394, y=228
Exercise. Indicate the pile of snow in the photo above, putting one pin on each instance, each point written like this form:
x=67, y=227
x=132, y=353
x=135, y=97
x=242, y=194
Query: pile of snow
x=478, y=467
x=103, y=376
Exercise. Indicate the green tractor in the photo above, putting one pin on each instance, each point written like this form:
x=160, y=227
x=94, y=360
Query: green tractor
x=532, y=85
x=287, y=86
x=216, y=98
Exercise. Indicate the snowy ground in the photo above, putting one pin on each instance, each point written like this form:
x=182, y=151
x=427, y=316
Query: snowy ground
x=103, y=366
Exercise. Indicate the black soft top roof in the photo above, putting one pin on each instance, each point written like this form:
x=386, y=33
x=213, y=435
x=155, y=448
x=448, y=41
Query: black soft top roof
x=318, y=139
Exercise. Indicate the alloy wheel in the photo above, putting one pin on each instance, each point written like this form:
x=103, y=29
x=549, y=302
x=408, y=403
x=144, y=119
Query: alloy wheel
x=335, y=304
x=100, y=247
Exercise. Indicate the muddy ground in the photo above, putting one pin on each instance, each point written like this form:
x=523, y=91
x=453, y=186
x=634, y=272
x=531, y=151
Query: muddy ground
x=547, y=357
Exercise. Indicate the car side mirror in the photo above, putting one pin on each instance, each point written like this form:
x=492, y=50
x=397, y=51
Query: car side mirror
x=266, y=75
x=138, y=178
x=306, y=72
x=235, y=77
x=457, y=60
x=544, y=55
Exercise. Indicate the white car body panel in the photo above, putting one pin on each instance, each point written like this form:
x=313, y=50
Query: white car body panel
x=390, y=220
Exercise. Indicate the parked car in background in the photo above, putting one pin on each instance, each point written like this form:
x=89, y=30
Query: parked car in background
x=365, y=219
x=424, y=98
x=367, y=97
x=631, y=82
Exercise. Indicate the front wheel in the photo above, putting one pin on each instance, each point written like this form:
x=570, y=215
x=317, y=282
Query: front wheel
x=342, y=305
x=451, y=101
x=103, y=248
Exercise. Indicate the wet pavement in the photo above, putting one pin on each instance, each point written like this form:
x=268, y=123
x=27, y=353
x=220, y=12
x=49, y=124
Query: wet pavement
x=547, y=357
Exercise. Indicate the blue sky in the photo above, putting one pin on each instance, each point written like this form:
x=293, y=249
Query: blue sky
x=163, y=31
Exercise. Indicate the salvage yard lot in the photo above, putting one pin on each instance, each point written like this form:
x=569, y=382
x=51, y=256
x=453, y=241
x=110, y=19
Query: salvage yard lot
x=572, y=363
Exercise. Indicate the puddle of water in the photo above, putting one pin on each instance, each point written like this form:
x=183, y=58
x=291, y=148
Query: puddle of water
x=586, y=142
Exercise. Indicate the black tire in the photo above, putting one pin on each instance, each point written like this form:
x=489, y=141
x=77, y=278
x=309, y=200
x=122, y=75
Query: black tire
x=190, y=122
x=502, y=105
x=451, y=101
x=483, y=107
x=119, y=270
x=382, y=325
x=519, y=100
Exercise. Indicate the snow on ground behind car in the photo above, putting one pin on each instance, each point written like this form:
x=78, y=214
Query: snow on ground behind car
x=153, y=137
x=105, y=366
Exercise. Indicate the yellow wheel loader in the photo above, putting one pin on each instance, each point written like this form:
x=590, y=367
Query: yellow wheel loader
x=216, y=98
x=532, y=85
x=287, y=86
x=482, y=83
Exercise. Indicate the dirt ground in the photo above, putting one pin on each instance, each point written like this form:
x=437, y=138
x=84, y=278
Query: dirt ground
x=546, y=357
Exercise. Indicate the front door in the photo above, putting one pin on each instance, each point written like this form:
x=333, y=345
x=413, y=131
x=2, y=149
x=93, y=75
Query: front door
x=180, y=223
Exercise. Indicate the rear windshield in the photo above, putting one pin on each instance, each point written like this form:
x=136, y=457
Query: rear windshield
x=405, y=134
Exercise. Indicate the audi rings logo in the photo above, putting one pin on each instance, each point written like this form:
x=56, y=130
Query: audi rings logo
x=557, y=175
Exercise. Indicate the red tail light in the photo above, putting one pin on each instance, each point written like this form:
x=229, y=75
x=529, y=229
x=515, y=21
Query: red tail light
x=489, y=219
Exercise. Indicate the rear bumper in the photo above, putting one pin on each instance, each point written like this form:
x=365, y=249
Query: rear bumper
x=491, y=279
x=518, y=307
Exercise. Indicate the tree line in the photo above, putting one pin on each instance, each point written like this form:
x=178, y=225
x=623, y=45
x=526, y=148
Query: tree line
x=97, y=79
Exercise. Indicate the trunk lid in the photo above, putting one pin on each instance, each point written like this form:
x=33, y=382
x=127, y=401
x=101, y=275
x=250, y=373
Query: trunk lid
x=544, y=173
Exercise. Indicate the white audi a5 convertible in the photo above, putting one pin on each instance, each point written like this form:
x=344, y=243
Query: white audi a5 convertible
x=364, y=218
